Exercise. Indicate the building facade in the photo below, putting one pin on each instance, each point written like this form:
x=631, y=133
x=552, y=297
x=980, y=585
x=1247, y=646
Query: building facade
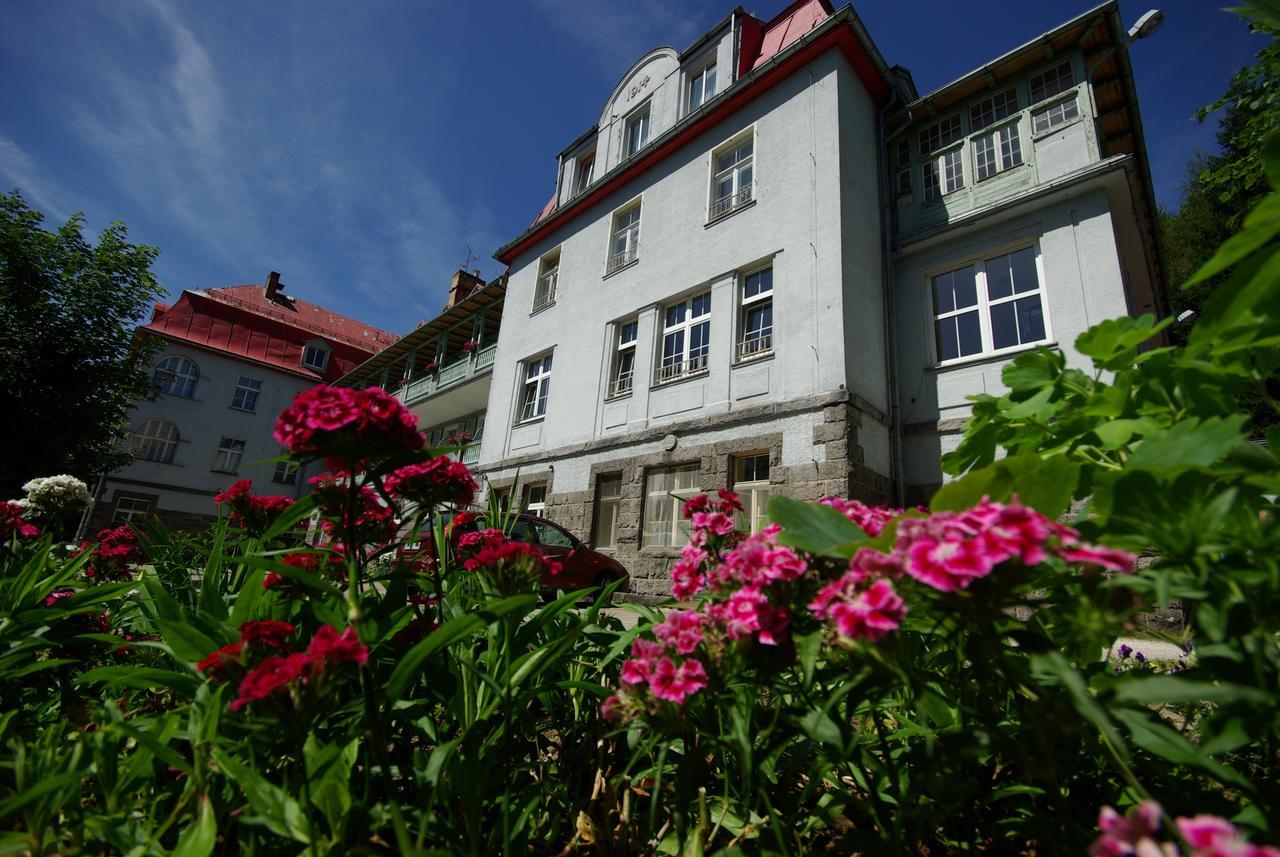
x=230, y=360
x=771, y=265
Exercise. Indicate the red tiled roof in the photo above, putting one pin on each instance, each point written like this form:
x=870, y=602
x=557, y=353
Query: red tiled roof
x=789, y=25
x=240, y=321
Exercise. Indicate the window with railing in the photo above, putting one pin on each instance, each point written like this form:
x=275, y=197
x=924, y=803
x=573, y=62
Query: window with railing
x=537, y=386
x=943, y=174
x=756, y=333
x=625, y=244
x=733, y=184
x=702, y=86
x=585, y=170
x=997, y=151
x=686, y=338
x=993, y=109
x=544, y=292
x=902, y=169
x=637, y=130
x=622, y=374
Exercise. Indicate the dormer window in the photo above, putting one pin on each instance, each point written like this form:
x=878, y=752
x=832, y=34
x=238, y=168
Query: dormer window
x=702, y=86
x=315, y=356
x=583, y=175
x=637, y=130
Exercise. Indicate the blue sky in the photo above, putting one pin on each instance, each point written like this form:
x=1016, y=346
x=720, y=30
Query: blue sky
x=357, y=147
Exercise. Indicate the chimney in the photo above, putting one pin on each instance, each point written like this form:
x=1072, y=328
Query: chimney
x=462, y=285
x=274, y=285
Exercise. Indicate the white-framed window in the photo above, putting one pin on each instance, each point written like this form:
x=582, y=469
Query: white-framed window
x=245, y=397
x=902, y=173
x=1051, y=81
x=702, y=86
x=177, y=376
x=1048, y=118
x=544, y=292
x=227, y=458
x=624, y=246
x=997, y=151
x=608, y=510
x=584, y=173
x=686, y=338
x=155, y=440
x=755, y=337
x=665, y=491
x=130, y=509
x=315, y=355
x=637, y=130
x=733, y=179
x=286, y=471
x=940, y=135
x=537, y=386
x=751, y=482
x=993, y=109
x=943, y=174
x=622, y=373
x=989, y=306
x=535, y=500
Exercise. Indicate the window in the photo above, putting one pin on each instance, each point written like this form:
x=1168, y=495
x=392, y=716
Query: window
x=1054, y=115
x=535, y=500
x=608, y=508
x=624, y=359
x=665, y=492
x=315, y=356
x=702, y=86
x=1049, y=83
x=637, y=130
x=227, y=459
x=177, y=376
x=942, y=134
x=993, y=109
x=731, y=186
x=756, y=338
x=155, y=440
x=552, y=536
x=998, y=151
x=544, y=293
x=537, y=384
x=584, y=174
x=286, y=471
x=751, y=481
x=686, y=338
x=626, y=238
x=245, y=397
x=902, y=178
x=989, y=306
x=943, y=174
x=130, y=509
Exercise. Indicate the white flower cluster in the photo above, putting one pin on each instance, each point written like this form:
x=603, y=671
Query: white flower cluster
x=56, y=494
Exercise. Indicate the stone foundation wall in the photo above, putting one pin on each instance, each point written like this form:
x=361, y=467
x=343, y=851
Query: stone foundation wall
x=105, y=509
x=839, y=471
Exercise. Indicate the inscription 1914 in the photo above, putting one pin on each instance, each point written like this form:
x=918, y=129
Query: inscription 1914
x=638, y=87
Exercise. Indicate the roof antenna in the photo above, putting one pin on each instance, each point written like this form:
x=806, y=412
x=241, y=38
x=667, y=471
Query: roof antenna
x=471, y=259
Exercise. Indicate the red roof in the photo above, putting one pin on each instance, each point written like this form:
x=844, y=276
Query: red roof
x=242, y=322
x=788, y=26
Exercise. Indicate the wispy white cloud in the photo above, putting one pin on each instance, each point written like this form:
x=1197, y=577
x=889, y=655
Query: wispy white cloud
x=19, y=170
x=618, y=34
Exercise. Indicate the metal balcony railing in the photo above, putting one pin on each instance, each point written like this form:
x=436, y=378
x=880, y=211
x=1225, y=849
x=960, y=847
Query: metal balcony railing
x=758, y=344
x=621, y=385
x=545, y=294
x=669, y=372
x=726, y=204
x=461, y=370
x=626, y=257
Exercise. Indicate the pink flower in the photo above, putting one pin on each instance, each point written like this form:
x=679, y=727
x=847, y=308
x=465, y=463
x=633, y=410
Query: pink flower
x=715, y=523
x=674, y=683
x=870, y=519
x=219, y=664
x=694, y=505
x=13, y=524
x=686, y=580
x=1123, y=834
x=254, y=513
x=272, y=674
x=269, y=633
x=760, y=560
x=869, y=614
x=681, y=631
x=748, y=612
x=348, y=424
x=440, y=480
x=729, y=501
x=330, y=647
x=948, y=565
x=1108, y=558
x=644, y=655
x=611, y=708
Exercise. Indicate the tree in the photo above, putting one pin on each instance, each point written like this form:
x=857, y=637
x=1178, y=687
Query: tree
x=71, y=365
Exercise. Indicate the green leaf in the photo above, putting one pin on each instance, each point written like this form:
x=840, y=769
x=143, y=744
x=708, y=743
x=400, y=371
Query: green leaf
x=1153, y=735
x=815, y=528
x=1188, y=444
x=1113, y=344
x=279, y=812
x=1167, y=688
x=1053, y=668
x=1033, y=370
x=819, y=726
x=142, y=678
x=1045, y=484
x=198, y=839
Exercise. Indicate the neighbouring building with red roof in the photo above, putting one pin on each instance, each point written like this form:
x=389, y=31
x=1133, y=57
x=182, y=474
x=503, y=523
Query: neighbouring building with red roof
x=229, y=361
x=772, y=265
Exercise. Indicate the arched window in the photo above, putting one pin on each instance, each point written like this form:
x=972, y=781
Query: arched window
x=177, y=376
x=156, y=440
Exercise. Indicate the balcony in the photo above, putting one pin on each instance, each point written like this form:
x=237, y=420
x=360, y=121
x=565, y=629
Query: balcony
x=449, y=376
x=545, y=293
x=757, y=345
x=620, y=386
x=732, y=202
x=674, y=371
x=624, y=258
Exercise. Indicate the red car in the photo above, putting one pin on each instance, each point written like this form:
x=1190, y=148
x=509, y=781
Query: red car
x=580, y=566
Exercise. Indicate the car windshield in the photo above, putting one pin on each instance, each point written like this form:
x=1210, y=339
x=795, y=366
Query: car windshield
x=552, y=536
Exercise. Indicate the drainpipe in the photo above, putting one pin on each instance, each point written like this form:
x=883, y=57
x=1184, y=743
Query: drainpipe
x=886, y=271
